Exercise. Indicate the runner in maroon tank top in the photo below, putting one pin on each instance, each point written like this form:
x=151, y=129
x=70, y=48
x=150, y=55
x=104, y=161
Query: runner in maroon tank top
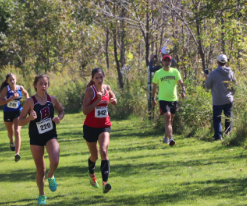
x=97, y=125
x=42, y=132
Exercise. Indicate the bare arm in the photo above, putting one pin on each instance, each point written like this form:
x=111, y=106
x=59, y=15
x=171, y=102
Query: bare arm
x=153, y=94
x=58, y=107
x=24, y=92
x=183, y=87
x=112, y=97
x=27, y=108
x=3, y=94
x=86, y=106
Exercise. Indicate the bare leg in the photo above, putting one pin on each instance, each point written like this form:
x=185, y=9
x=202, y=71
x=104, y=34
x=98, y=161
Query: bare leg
x=104, y=140
x=168, y=124
x=38, y=157
x=52, y=148
x=17, y=130
x=9, y=126
x=94, y=151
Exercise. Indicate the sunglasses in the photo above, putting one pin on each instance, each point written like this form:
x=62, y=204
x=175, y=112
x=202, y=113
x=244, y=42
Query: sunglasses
x=167, y=60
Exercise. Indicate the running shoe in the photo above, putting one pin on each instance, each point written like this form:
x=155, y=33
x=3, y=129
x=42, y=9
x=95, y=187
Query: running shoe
x=52, y=184
x=17, y=157
x=93, y=181
x=42, y=200
x=106, y=188
x=166, y=140
x=172, y=142
x=12, y=146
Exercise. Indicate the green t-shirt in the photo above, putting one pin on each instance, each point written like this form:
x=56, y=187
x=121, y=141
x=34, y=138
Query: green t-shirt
x=167, y=82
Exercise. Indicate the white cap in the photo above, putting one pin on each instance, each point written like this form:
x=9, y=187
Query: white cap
x=222, y=58
x=164, y=50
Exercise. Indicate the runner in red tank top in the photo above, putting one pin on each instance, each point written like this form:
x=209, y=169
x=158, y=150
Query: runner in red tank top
x=97, y=125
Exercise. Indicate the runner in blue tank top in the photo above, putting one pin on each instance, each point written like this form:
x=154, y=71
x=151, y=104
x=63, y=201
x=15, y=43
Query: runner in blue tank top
x=42, y=132
x=10, y=98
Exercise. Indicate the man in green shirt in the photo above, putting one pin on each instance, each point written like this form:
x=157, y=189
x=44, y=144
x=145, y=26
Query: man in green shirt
x=166, y=78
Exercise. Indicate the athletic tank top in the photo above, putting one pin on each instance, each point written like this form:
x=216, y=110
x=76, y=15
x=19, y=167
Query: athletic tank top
x=14, y=105
x=43, y=126
x=99, y=118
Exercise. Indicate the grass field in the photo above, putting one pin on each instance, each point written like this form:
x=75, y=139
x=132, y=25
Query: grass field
x=144, y=171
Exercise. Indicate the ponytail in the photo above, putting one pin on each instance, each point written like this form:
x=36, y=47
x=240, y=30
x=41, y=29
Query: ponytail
x=90, y=83
x=4, y=83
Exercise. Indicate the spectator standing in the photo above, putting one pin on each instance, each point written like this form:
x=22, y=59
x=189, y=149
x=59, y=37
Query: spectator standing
x=220, y=82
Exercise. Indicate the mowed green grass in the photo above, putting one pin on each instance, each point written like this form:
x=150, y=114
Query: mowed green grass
x=144, y=171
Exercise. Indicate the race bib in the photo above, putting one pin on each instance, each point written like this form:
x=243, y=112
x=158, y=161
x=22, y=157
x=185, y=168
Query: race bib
x=13, y=104
x=44, y=126
x=101, y=112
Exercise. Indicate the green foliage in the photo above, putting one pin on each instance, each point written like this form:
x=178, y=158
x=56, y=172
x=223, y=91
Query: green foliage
x=239, y=133
x=67, y=39
x=194, y=112
x=69, y=88
x=23, y=78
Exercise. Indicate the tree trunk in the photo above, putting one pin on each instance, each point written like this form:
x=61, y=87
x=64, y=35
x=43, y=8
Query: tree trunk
x=120, y=76
x=198, y=30
x=106, y=49
x=222, y=35
x=147, y=35
x=122, y=40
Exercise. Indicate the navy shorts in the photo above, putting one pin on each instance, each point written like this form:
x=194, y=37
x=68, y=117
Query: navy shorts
x=91, y=134
x=40, y=141
x=10, y=116
x=166, y=106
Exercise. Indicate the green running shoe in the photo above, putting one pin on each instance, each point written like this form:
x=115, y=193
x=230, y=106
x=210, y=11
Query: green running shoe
x=106, y=188
x=93, y=181
x=52, y=184
x=42, y=200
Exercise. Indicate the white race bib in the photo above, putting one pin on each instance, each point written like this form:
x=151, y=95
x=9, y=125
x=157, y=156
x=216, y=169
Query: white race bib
x=101, y=112
x=44, y=126
x=13, y=104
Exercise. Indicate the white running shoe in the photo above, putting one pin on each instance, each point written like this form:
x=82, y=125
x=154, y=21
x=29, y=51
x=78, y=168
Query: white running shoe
x=166, y=140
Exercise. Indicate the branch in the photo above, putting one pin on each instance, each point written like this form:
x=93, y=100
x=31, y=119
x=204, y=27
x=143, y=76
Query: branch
x=182, y=19
x=17, y=54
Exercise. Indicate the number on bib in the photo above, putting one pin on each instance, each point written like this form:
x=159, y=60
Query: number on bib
x=13, y=104
x=44, y=126
x=101, y=112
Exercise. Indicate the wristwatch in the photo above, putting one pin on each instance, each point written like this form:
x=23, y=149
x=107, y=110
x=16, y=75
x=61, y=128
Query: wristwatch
x=153, y=98
x=183, y=91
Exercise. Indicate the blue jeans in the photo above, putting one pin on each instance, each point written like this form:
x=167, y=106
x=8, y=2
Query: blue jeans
x=217, y=110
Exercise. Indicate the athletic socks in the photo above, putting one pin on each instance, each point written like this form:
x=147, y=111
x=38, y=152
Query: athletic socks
x=91, y=166
x=105, y=169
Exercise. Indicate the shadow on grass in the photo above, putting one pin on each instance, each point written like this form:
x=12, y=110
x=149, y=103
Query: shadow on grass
x=27, y=200
x=220, y=189
x=18, y=176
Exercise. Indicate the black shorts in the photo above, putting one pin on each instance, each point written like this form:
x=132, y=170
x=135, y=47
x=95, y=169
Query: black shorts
x=166, y=106
x=40, y=141
x=91, y=134
x=10, y=116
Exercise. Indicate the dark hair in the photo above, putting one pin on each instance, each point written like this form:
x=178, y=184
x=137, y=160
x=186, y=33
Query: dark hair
x=222, y=64
x=94, y=71
x=38, y=77
x=4, y=83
